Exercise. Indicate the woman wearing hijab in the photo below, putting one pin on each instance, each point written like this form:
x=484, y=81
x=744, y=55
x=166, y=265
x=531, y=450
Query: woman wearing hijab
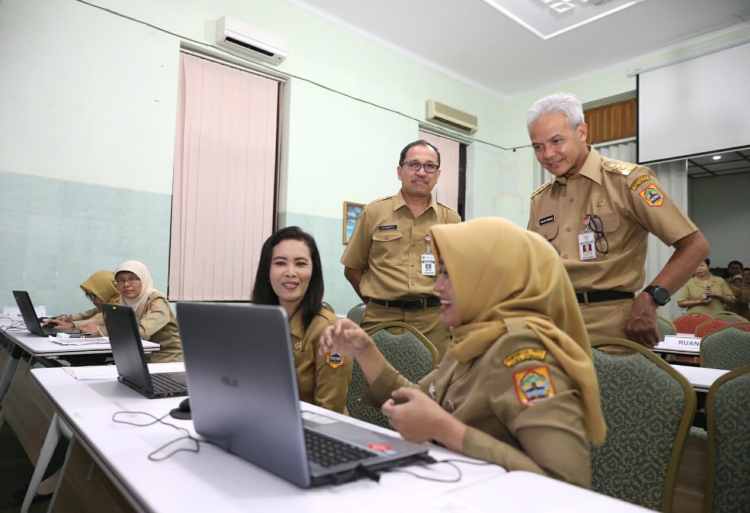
x=99, y=288
x=517, y=386
x=156, y=322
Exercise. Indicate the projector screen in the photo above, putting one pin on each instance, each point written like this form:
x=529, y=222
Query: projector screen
x=695, y=107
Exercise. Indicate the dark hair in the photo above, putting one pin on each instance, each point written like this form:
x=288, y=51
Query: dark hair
x=707, y=262
x=735, y=262
x=746, y=269
x=263, y=293
x=420, y=142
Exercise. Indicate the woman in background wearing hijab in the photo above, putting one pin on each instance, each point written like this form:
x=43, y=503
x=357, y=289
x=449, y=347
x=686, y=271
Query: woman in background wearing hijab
x=99, y=288
x=156, y=322
x=517, y=386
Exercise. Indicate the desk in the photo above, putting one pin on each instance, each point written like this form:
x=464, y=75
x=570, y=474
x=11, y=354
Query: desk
x=700, y=377
x=680, y=355
x=214, y=480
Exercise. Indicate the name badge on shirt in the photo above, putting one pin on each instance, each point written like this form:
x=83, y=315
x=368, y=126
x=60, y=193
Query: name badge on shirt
x=586, y=247
x=545, y=220
x=387, y=227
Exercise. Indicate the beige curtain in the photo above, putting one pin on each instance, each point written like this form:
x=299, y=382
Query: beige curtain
x=446, y=191
x=224, y=180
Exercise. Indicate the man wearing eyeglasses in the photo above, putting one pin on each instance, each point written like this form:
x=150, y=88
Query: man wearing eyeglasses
x=388, y=260
x=614, y=206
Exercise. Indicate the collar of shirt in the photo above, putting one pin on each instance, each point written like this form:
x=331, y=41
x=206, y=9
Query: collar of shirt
x=398, y=202
x=295, y=324
x=592, y=169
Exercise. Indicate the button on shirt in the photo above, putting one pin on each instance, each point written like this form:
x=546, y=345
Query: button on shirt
x=630, y=203
x=388, y=243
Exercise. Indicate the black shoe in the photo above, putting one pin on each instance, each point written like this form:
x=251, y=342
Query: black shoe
x=20, y=495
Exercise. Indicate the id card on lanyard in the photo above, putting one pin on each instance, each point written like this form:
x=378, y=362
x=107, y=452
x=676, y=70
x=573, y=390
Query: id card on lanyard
x=428, y=260
x=586, y=242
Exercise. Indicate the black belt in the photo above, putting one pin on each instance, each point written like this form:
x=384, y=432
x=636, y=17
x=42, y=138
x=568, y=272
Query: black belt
x=602, y=295
x=409, y=304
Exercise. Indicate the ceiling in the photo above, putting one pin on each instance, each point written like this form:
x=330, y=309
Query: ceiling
x=731, y=163
x=471, y=41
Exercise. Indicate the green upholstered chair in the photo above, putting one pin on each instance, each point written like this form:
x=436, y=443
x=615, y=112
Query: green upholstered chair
x=410, y=353
x=728, y=418
x=710, y=325
x=728, y=316
x=357, y=313
x=665, y=328
x=688, y=322
x=328, y=307
x=648, y=407
x=727, y=347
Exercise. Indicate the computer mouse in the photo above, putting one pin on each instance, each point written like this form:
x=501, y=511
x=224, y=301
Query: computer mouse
x=185, y=405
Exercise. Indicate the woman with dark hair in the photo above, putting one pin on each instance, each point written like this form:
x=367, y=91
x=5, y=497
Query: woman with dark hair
x=290, y=275
x=705, y=293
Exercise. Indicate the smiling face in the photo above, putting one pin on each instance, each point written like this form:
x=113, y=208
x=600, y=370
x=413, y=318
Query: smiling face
x=448, y=306
x=559, y=148
x=418, y=183
x=291, y=269
x=128, y=284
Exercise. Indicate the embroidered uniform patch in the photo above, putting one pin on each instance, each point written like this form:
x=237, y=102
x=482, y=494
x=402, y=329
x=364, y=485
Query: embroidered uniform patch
x=652, y=196
x=334, y=360
x=151, y=306
x=523, y=355
x=640, y=181
x=534, y=385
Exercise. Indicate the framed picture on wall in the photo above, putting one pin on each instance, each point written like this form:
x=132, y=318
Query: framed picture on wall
x=352, y=211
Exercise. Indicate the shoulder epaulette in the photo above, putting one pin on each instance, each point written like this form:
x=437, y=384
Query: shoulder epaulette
x=379, y=200
x=446, y=207
x=617, y=166
x=542, y=187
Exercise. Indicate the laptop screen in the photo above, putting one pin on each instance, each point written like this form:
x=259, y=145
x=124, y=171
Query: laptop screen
x=27, y=312
x=127, y=348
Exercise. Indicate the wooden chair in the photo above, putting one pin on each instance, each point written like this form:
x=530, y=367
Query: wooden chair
x=410, y=353
x=727, y=419
x=648, y=407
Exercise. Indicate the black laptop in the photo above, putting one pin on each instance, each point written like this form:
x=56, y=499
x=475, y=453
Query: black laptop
x=32, y=321
x=244, y=398
x=130, y=359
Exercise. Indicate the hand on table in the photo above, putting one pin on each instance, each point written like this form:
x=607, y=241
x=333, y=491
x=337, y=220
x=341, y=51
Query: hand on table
x=417, y=417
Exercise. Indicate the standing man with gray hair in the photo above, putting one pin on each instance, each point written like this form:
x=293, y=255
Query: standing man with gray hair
x=598, y=212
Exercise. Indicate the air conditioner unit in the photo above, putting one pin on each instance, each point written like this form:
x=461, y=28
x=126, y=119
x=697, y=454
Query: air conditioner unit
x=454, y=118
x=247, y=41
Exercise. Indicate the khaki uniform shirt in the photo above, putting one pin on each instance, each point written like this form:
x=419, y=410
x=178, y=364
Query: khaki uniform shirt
x=547, y=437
x=388, y=243
x=321, y=380
x=694, y=290
x=93, y=316
x=630, y=202
x=742, y=306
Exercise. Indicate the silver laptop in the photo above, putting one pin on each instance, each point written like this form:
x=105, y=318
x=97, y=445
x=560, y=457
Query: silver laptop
x=243, y=397
x=23, y=300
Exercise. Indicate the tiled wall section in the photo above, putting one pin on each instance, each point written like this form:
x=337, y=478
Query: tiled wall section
x=55, y=234
x=327, y=233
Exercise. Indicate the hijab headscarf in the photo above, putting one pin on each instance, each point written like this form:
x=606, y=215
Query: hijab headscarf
x=102, y=284
x=499, y=271
x=138, y=304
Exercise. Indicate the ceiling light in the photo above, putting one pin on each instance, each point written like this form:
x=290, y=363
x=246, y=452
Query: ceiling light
x=717, y=157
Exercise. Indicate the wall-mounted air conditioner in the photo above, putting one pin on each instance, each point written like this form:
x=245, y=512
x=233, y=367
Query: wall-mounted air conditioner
x=454, y=118
x=247, y=41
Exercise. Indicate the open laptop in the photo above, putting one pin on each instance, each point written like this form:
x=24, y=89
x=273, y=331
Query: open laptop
x=244, y=398
x=32, y=321
x=130, y=358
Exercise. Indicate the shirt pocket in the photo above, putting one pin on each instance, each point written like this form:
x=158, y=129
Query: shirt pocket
x=386, y=249
x=548, y=231
x=610, y=222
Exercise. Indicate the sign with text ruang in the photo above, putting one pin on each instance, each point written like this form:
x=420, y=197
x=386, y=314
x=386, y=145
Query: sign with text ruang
x=683, y=342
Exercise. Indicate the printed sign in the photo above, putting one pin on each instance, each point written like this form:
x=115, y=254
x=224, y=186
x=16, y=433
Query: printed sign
x=682, y=342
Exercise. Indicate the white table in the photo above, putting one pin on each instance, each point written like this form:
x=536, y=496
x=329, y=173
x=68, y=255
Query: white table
x=213, y=480
x=700, y=377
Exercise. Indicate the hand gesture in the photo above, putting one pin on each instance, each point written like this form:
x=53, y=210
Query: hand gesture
x=344, y=338
x=91, y=329
x=415, y=416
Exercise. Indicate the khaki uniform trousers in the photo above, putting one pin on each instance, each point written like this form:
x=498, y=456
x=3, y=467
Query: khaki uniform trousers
x=427, y=321
x=607, y=319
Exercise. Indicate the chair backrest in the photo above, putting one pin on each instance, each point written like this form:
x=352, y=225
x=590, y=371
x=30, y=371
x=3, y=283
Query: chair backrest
x=710, y=325
x=648, y=407
x=687, y=323
x=357, y=313
x=728, y=316
x=328, y=307
x=410, y=353
x=665, y=328
x=727, y=348
x=727, y=419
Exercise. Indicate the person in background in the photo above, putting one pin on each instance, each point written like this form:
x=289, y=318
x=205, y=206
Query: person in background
x=742, y=306
x=517, y=386
x=290, y=275
x=733, y=269
x=705, y=293
x=388, y=259
x=99, y=288
x=156, y=321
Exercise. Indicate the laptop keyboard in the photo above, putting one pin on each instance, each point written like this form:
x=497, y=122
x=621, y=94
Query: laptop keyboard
x=164, y=383
x=328, y=452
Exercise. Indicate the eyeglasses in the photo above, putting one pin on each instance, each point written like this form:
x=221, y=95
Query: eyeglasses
x=91, y=296
x=597, y=226
x=120, y=281
x=413, y=165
